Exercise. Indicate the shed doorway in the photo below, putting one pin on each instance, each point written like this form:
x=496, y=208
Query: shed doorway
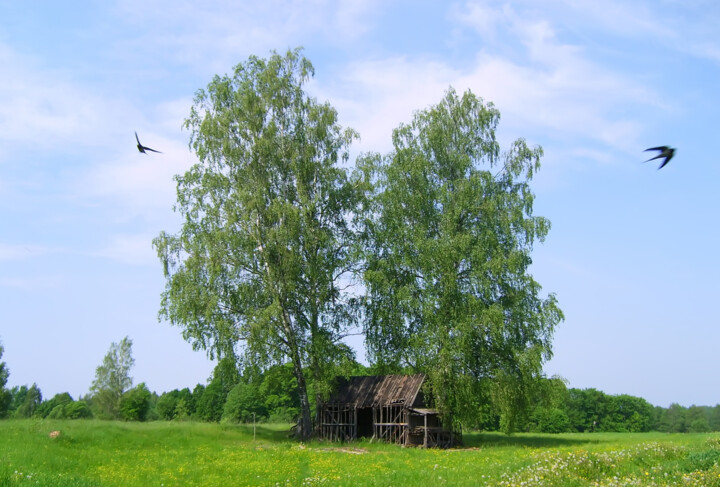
x=365, y=423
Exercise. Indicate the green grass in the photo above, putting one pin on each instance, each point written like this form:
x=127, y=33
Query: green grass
x=96, y=453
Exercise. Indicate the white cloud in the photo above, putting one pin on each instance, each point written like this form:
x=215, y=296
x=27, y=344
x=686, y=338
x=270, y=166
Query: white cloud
x=141, y=183
x=564, y=100
x=44, y=108
x=350, y=19
x=685, y=27
x=480, y=16
x=218, y=35
x=545, y=87
x=625, y=18
x=374, y=97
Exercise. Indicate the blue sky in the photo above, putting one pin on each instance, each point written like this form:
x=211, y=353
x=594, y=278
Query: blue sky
x=631, y=254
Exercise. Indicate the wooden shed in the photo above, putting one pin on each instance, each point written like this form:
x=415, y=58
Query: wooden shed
x=384, y=407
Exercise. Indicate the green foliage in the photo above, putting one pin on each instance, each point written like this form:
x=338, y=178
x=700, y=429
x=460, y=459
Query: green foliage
x=58, y=412
x=188, y=401
x=77, y=410
x=244, y=404
x=679, y=419
x=714, y=418
x=267, y=244
x=167, y=404
x=587, y=408
x=550, y=420
x=699, y=425
x=175, y=404
x=197, y=394
x=698, y=419
x=5, y=395
x=628, y=413
x=702, y=460
x=183, y=411
x=5, y=400
x=557, y=409
x=674, y=419
x=112, y=379
x=31, y=400
x=17, y=396
x=56, y=404
x=178, y=405
x=135, y=403
x=211, y=404
x=280, y=395
x=590, y=410
x=450, y=233
x=226, y=374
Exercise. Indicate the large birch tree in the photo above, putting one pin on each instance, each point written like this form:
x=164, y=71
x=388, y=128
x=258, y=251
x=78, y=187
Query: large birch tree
x=263, y=259
x=450, y=235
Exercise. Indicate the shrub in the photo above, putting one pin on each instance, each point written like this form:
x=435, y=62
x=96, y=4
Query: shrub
x=284, y=415
x=244, y=402
x=47, y=407
x=166, y=406
x=182, y=411
x=58, y=412
x=549, y=420
x=77, y=410
x=135, y=403
x=209, y=406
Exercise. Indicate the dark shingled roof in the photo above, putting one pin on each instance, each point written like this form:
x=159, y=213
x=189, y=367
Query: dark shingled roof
x=378, y=390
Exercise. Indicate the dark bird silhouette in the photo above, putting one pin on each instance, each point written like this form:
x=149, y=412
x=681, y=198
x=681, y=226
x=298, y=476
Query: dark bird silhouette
x=142, y=148
x=665, y=151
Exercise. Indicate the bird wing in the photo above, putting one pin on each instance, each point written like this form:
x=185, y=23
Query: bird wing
x=656, y=157
x=136, y=138
x=661, y=148
x=153, y=150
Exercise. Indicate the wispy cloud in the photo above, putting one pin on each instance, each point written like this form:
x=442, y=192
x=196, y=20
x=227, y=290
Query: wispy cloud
x=686, y=27
x=43, y=108
x=374, y=97
x=630, y=19
x=223, y=33
x=545, y=86
x=140, y=184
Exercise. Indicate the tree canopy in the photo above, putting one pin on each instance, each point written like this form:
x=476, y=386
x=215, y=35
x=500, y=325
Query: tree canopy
x=449, y=237
x=112, y=378
x=262, y=262
x=5, y=396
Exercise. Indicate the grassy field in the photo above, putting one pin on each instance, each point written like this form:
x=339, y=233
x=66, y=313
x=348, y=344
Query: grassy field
x=95, y=453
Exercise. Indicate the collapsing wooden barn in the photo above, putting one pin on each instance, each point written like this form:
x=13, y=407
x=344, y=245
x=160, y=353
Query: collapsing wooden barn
x=384, y=407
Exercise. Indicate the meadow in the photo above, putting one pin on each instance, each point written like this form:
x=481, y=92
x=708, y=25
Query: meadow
x=97, y=453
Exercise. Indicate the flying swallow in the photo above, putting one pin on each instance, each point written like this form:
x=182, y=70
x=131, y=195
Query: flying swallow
x=665, y=151
x=142, y=148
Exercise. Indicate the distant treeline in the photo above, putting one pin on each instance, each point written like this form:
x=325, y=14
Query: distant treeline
x=588, y=410
x=272, y=396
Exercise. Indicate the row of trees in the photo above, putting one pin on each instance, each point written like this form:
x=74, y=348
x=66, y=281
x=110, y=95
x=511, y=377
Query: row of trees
x=559, y=409
x=286, y=248
x=111, y=395
x=272, y=396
